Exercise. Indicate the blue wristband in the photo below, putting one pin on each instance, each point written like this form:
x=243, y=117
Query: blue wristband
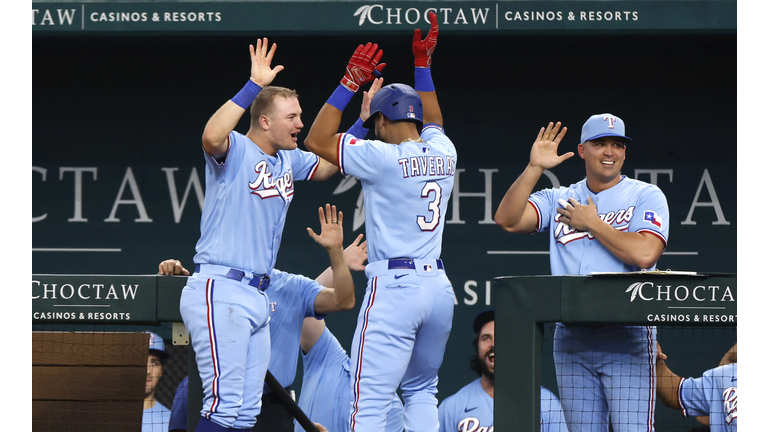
x=423, y=78
x=245, y=97
x=357, y=130
x=340, y=97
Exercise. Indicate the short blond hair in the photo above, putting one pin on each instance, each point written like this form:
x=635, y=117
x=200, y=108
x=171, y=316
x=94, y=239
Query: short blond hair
x=265, y=101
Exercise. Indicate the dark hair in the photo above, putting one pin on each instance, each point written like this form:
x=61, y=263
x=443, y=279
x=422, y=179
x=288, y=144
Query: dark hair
x=475, y=362
x=160, y=355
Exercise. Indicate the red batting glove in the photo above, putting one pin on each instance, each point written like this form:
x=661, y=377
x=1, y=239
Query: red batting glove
x=362, y=65
x=423, y=49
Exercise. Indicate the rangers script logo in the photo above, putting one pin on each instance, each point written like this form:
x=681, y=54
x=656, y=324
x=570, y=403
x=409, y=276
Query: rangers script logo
x=472, y=424
x=565, y=234
x=265, y=187
x=729, y=404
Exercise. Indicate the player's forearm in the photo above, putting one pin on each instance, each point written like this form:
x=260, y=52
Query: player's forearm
x=344, y=286
x=343, y=294
x=432, y=112
x=223, y=121
x=667, y=384
x=509, y=214
x=321, y=139
x=326, y=278
x=634, y=249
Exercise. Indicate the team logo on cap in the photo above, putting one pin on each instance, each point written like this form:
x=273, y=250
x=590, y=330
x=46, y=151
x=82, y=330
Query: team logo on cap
x=652, y=218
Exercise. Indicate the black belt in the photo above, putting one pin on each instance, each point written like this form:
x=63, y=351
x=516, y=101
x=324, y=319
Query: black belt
x=407, y=263
x=258, y=281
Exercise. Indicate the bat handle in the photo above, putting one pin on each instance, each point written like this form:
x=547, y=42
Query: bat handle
x=285, y=399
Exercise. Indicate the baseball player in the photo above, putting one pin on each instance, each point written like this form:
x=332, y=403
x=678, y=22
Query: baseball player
x=292, y=298
x=713, y=394
x=471, y=408
x=178, y=421
x=325, y=388
x=604, y=223
x=249, y=186
x=156, y=415
x=407, y=178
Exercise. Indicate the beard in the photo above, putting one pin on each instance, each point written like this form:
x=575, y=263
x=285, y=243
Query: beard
x=484, y=368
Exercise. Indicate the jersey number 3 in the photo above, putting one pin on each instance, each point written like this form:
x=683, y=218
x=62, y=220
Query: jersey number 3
x=434, y=206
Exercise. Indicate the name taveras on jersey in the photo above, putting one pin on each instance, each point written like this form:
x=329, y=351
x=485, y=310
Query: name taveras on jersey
x=618, y=219
x=428, y=166
x=265, y=187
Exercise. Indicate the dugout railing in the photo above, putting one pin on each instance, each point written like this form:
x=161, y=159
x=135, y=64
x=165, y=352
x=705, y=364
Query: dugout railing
x=525, y=303
x=70, y=303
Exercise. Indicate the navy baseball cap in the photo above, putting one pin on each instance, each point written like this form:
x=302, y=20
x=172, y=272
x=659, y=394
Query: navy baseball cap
x=482, y=319
x=603, y=125
x=157, y=346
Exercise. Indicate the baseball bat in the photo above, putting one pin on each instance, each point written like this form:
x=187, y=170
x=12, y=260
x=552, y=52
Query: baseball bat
x=285, y=399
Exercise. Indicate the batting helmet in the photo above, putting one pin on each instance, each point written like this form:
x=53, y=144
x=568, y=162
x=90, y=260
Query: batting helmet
x=397, y=102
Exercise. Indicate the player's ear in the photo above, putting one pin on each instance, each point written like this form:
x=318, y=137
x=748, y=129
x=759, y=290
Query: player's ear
x=264, y=121
x=581, y=150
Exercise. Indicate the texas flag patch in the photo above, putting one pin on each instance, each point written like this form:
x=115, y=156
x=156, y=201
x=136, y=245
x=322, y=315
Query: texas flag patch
x=653, y=218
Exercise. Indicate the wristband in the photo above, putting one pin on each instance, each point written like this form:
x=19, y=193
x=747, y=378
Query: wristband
x=423, y=78
x=245, y=97
x=340, y=97
x=358, y=130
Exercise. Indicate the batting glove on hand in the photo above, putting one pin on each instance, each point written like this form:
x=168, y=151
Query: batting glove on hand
x=423, y=49
x=363, y=66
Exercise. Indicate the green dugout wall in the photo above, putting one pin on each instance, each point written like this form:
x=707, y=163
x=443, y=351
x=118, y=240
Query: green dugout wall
x=119, y=107
x=523, y=305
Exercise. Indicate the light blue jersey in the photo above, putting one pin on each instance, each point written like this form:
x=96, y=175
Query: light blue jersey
x=291, y=299
x=471, y=410
x=224, y=304
x=155, y=419
x=246, y=201
x=630, y=206
x=598, y=365
x=407, y=312
x=406, y=189
x=713, y=395
x=325, y=390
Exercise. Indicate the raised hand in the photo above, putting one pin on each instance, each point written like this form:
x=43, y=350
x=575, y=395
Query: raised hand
x=544, y=150
x=331, y=231
x=423, y=49
x=356, y=254
x=262, y=72
x=365, y=109
x=361, y=66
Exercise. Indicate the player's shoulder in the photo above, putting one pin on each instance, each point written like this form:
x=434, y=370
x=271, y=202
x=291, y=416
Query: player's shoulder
x=640, y=186
x=279, y=278
x=725, y=371
x=464, y=393
x=435, y=134
x=547, y=394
